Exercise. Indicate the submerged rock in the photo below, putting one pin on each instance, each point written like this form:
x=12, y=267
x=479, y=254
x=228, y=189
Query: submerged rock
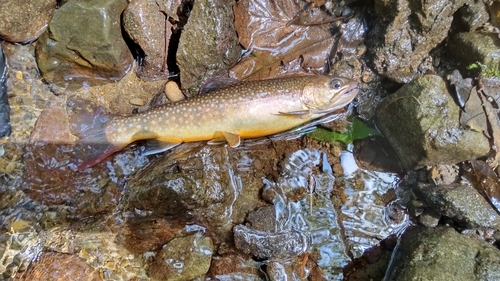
x=422, y=123
x=58, y=266
x=263, y=244
x=404, y=34
x=462, y=203
x=24, y=22
x=209, y=51
x=83, y=45
x=183, y=258
x=442, y=254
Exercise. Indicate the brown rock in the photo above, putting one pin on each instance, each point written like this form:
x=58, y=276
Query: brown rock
x=59, y=267
x=23, y=22
x=150, y=29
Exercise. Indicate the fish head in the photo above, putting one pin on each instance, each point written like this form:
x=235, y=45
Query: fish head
x=326, y=93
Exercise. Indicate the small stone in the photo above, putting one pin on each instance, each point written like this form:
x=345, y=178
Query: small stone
x=137, y=101
x=173, y=92
x=19, y=75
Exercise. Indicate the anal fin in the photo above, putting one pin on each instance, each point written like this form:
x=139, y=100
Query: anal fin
x=154, y=146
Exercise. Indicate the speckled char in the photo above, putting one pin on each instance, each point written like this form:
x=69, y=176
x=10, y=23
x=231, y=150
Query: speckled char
x=247, y=109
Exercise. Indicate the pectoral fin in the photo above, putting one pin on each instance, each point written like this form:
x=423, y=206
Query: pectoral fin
x=154, y=146
x=298, y=113
x=232, y=139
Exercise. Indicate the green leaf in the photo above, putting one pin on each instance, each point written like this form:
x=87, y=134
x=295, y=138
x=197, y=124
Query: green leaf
x=357, y=130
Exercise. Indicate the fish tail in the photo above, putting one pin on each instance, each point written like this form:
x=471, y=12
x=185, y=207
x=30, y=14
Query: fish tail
x=88, y=122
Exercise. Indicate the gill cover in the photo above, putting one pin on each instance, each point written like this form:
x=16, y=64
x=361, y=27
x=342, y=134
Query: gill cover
x=326, y=94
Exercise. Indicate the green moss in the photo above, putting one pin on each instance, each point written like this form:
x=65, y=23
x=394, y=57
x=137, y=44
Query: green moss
x=487, y=71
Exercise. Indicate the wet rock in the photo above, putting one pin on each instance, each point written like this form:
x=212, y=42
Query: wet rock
x=83, y=45
x=422, y=123
x=462, y=203
x=376, y=154
x=209, y=51
x=50, y=175
x=405, y=33
x=429, y=218
x=443, y=254
x=472, y=15
x=444, y=174
x=235, y=265
x=373, y=263
x=149, y=28
x=183, y=258
x=214, y=184
x=5, y=128
x=148, y=234
x=262, y=244
x=24, y=23
x=263, y=219
x=58, y=267
x=471, y=47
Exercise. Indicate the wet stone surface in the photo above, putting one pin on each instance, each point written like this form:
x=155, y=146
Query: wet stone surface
x=24, y=23
x=74, y=51
x=183, y=258
x=426, y=121
x=442, y=254
x=141, y=21
x=472, y=47
x=401, y=40
x=208, y=52
x=461, y=203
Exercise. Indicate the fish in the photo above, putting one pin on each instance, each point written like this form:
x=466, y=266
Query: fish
x=221, y=113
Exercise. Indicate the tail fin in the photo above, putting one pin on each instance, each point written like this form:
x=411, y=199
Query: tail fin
x=88, y=122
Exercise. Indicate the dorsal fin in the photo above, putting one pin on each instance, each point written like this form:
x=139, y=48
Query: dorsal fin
x=217, y=83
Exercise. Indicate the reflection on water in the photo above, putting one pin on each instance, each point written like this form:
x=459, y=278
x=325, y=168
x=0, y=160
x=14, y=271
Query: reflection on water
x=337, y=230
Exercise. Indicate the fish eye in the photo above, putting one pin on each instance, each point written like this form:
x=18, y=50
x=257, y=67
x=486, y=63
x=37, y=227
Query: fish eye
x=336, y=84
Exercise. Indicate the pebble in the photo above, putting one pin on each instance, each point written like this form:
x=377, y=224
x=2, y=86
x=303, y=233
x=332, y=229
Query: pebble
x=173, y=92
x=137, y=101
x=19, y=75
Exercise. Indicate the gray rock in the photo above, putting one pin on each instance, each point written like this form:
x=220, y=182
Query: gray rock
x=422, y=123
x=408, y=30
x=23, y=22
x=462, y=203
x=83, y=45
x=471, y=47
x=209, y=51
x=442, y=254
x=183, y=258
x=149, y=28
